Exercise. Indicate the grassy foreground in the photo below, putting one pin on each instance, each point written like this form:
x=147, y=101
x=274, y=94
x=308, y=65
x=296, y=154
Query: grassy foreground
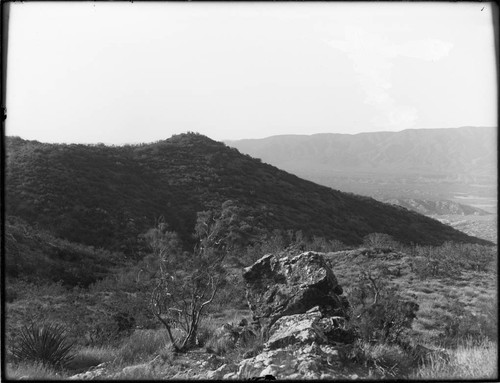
x=457, y=312
x=470, y=360
x=467, y=361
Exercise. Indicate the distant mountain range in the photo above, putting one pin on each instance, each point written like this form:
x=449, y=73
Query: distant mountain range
x=467, y=150
x=107, y=196
x=422, y=164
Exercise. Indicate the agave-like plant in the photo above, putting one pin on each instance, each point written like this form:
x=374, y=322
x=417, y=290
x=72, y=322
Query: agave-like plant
x=44, y=343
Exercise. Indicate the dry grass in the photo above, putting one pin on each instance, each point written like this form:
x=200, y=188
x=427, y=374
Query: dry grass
x=467, y=361
x=142, y=345
x=437, y=297
x=134, y=351
x=379, y=361
x=88, y=357
x=228, y=315
x=31, y=371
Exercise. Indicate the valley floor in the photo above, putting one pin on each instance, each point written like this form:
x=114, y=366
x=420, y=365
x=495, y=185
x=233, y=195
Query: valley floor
x=481, y=226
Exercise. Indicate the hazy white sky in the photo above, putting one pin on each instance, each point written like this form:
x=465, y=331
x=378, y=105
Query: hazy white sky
x=139, y=72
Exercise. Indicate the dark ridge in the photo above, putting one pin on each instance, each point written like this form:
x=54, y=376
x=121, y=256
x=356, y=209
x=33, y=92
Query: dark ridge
x=105, y=196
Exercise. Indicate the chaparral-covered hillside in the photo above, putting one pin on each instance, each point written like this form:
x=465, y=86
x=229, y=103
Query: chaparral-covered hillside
x=105, y=196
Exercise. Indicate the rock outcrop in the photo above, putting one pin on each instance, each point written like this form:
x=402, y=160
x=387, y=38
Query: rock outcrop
x=299, y=304
x=98, y=372
x=278, y=287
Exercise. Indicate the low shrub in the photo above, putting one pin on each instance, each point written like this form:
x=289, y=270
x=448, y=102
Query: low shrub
x=251, y=344
x=109, y=329
x=11, y=294
x=379, y=312
x=223, y=339
x=379, y=240
x=385, y=360
x=45, y=343
x=125, y=322
x=235, y=342
x=104, y=331
x=203, y=336
x=450, y=259
x=463, y=324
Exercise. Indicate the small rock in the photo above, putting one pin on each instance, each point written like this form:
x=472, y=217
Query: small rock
x=327, y=376
x=269, y=370
x=311, y=375
x=329, y=350
x=140, y=369
x=89, y=375
x=213, y=375
x=308, y=366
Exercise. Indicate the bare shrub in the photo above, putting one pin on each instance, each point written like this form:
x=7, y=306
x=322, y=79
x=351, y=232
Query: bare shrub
x=379, y=241
x=379, y=312
x=450, y=259
x=186, y=284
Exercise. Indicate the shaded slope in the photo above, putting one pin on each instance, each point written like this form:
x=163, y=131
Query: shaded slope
x=106, y=196
x=35, y=255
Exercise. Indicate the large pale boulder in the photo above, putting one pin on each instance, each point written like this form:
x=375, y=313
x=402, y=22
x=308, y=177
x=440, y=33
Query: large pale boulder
x=308, y=328
x=296, y=329
x=278, y=287
x=296, y=362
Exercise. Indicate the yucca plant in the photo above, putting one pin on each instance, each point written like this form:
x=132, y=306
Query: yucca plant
x=43, y=343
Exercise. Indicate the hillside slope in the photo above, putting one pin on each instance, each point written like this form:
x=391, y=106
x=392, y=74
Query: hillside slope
x=37, y=256
x=106, y=196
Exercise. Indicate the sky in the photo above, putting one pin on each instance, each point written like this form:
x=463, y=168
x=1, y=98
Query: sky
x=121, y=72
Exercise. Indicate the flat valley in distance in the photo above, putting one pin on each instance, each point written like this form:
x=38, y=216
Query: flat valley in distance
x=485, y=226
x=481, y=196
x=457, y=165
